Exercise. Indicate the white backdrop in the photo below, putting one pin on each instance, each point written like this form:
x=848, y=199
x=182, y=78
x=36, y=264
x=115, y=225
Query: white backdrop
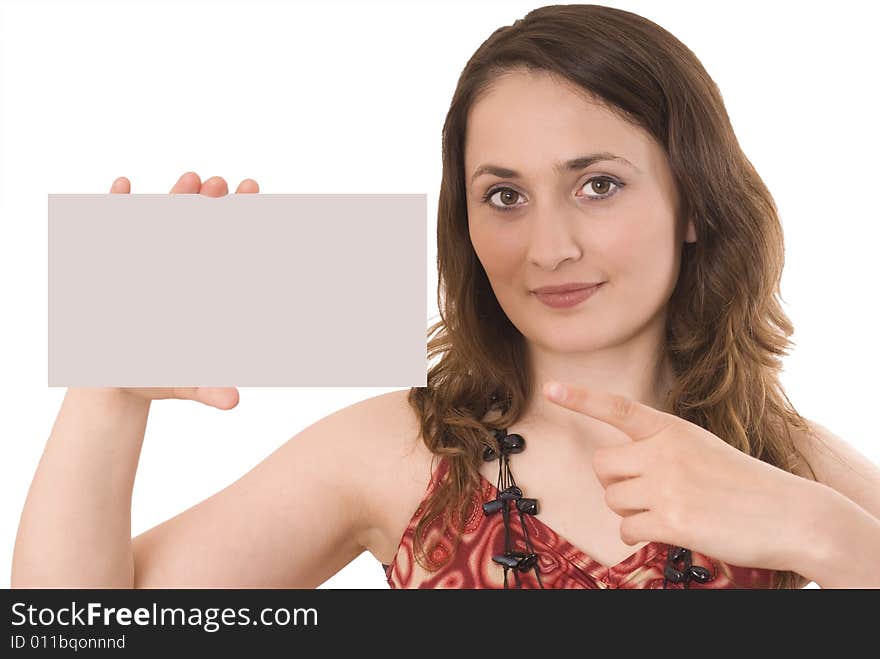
x=351, y=98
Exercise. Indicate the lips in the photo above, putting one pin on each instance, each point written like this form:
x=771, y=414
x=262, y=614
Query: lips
x=565, y=288
x=569, y=299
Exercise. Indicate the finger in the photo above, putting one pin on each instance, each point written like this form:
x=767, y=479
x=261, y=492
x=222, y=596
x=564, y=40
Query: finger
x=628, y=496
x=615, y=463
x=120, y=186
x=221, y=397
x=636, y=420
x=214, y=187
x=643, y=526
x=189, y=183
x=248, y=186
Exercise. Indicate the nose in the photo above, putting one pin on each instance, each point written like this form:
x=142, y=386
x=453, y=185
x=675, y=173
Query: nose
x=552, y=237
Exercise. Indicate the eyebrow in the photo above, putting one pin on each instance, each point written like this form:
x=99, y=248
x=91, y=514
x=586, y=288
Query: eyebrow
x=572, y=165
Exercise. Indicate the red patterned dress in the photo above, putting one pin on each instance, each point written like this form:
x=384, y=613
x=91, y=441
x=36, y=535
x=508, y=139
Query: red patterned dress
x=561, y=564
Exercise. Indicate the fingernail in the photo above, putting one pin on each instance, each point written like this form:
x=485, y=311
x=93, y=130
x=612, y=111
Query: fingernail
x=556, y=390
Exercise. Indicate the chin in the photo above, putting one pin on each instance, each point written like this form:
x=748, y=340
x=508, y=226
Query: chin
x=574, y=340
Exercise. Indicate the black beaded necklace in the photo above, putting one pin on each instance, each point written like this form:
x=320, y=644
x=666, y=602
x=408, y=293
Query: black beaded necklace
x=519, y=561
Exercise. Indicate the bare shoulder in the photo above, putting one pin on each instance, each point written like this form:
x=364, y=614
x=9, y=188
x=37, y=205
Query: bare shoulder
x=840, y=466
x=393, y=471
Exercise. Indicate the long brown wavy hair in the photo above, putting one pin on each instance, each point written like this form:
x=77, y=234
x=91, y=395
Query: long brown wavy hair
x=726, y=330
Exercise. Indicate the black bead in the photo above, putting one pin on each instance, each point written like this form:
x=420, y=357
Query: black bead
x=489, y=454
x=672, y=574
x=506, y=560
x=699, y=573
x=679, y=552
x=527, y=506
x=520, y=560
x=512, y=492
x=527, y=561
x=512, y=443
x=493, y=506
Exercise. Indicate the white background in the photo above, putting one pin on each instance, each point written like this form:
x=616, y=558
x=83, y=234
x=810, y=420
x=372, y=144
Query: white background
x=351, y=98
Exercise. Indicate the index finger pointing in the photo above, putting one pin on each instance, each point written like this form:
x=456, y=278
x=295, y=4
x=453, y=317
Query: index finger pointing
x=635, y=419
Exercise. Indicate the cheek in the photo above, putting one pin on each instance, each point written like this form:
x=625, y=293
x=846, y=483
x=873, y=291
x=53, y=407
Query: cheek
x=644, y=254
x=499, y=255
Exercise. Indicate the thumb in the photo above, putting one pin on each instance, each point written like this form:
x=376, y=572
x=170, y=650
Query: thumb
x=223, y=398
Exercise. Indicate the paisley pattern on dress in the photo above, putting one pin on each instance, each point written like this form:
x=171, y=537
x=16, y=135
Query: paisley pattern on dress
x=560, y=563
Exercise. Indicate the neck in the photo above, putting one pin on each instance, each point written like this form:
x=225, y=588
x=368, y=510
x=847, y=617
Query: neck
x=637, y=369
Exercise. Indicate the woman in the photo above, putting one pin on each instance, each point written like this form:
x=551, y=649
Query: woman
x=584, y=145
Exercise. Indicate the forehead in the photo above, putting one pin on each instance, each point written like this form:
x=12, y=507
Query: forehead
x=535, y=118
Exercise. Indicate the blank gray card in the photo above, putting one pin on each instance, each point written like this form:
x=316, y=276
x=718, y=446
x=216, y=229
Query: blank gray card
x=242, y=290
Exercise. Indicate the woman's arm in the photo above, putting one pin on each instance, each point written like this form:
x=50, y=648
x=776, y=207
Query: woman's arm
x=75, y=528
x=840, y=544
x=292, y=521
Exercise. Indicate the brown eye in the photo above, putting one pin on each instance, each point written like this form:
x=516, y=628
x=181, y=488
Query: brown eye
x=602, y=186
x=506, y=198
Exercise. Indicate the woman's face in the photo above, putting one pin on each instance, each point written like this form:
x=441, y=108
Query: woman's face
x=609, y=222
